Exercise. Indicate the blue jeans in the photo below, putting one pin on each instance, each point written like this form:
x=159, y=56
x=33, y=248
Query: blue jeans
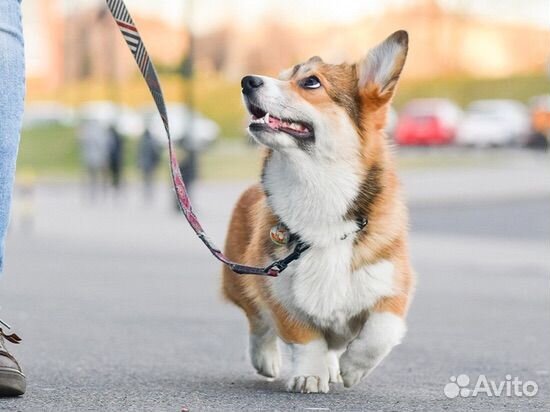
x=12, y=92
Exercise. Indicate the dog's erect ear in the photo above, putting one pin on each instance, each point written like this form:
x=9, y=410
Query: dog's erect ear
x=380, y=69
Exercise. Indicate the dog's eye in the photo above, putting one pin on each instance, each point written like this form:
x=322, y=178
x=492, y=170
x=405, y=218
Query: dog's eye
x=311, y=82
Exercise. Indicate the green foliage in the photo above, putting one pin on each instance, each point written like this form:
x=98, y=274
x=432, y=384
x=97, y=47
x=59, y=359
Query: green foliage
x=231, y=160
x=51, y=148
x=54, y=150
x=221, y=101
x=463, y=90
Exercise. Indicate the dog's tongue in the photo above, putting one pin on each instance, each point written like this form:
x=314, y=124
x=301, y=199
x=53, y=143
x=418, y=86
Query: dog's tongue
x=273, y=122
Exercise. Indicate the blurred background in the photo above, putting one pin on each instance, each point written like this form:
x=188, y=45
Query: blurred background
x=96, y=247
x=477, y=76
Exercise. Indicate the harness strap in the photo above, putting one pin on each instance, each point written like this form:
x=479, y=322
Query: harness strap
x=133, y=39
x=282, y=264
x=13, y=338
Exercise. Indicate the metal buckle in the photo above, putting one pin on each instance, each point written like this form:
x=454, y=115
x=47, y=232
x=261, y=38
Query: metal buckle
x=5, y=324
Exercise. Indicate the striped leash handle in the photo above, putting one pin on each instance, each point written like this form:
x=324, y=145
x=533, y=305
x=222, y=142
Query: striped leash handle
x=133, y=39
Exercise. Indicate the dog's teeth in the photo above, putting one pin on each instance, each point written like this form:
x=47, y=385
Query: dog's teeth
x=294, y=126
x=257, y=120
x=276, y=123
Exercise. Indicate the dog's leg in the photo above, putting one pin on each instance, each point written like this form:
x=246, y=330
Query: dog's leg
x=310, y=367
x=382, y=331
x=333, y=361
x=264, y=350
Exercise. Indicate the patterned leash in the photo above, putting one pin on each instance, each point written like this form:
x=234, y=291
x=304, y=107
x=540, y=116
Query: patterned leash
x=133, y=39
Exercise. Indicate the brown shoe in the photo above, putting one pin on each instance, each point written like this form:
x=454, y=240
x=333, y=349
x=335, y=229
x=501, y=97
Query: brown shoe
x=12, y=380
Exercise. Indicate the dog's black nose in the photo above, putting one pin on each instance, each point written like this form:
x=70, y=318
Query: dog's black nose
x=249, y=83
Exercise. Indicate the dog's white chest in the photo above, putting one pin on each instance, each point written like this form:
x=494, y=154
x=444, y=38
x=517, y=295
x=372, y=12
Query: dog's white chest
x=321, y=286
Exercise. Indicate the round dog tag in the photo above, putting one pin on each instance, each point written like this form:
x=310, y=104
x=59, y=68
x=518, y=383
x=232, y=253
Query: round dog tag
x=279, y=234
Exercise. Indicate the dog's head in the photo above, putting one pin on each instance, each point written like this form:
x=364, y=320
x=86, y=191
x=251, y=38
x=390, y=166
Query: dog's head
x=318, y=107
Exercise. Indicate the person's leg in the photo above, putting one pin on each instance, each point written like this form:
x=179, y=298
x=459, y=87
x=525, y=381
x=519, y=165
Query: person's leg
x=12, y=90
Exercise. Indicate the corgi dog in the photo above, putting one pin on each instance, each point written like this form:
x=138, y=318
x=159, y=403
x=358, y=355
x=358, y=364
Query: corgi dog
x=328, y=181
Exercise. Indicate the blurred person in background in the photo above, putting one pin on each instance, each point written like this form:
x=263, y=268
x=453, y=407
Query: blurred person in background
x=12, y=91
x=540, y=123
x=148, y=158
x=189, y=168
x=94, y=143
x=188, y=165
x=116, y=157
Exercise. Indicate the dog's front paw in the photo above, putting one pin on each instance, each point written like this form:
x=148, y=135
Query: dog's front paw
x=308, y=384
x=333, y=367
x=351, y=372
x=265, y=356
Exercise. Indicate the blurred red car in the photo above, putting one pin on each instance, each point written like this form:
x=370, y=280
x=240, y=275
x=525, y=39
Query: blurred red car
x=428, y=122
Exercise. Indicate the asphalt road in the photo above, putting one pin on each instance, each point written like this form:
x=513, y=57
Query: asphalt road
x=119, y=309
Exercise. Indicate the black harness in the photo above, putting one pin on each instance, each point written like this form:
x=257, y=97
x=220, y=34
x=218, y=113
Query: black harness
x=301, y=246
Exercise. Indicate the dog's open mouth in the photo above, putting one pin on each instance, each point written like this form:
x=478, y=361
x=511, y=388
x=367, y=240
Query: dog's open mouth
x=262, y=120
